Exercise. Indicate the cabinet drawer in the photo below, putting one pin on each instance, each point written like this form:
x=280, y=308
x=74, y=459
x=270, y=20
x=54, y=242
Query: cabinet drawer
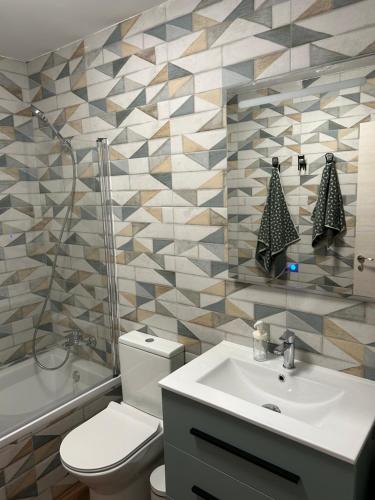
x=189, y=479
x=262, y=460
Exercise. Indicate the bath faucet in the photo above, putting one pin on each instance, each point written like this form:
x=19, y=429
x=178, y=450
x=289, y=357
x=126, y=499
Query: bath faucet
x=287, y=349
x=75, y=338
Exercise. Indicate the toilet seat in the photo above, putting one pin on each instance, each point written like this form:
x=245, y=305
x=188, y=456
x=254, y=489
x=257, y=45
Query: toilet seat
x=108, y=439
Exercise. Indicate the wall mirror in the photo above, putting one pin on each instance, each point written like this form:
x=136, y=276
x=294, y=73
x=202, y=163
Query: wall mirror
x=301, y=176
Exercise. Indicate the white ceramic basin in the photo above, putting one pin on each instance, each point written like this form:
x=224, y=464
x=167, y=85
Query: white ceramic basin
x=299, y=397
x=325, y=409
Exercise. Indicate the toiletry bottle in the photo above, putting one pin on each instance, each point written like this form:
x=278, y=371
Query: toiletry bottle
x=260, y=336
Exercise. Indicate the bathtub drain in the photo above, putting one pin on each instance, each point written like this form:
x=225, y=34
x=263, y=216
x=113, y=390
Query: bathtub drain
x=76, y=376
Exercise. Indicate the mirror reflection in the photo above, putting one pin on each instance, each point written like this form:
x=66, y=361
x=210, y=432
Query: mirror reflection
x=293, y=185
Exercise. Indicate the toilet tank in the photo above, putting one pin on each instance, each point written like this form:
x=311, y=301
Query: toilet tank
x=144, y=360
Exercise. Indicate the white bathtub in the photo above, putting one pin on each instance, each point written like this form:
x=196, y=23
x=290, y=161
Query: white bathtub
x=29, y=396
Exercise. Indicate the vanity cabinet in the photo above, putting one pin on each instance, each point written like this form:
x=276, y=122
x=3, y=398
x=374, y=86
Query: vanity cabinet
x=213, y=456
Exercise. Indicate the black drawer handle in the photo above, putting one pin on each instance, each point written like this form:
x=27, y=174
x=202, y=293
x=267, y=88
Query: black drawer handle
x=289, y=476
x=202, y=494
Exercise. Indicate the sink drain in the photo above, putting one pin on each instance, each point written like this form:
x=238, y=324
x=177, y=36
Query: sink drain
x=272, y=407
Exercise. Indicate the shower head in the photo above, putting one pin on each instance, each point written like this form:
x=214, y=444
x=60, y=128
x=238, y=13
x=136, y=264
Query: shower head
x=39, y=114
x=36, y=112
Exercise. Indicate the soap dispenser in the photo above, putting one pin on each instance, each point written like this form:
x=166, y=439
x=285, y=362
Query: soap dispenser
x=260, y=336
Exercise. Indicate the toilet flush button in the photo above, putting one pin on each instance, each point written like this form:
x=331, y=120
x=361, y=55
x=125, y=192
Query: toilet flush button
x=149, y=340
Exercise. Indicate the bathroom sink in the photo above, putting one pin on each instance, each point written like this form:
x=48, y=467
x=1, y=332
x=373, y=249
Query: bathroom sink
x=325, y=409
x=299, y=397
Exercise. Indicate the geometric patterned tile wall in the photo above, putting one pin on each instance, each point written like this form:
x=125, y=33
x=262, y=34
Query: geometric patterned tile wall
x=23, y=270
x=313, y=125
x=35, y=183
x=153, y=85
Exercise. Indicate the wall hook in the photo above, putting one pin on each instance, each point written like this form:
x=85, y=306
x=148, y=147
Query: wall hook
x=330, y=157
x=302, y=165
x=275, y=162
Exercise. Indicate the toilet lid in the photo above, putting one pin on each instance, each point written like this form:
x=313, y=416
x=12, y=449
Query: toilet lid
x=108, y=439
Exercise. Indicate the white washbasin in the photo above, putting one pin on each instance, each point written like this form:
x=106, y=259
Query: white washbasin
x=299, y=397
x=325, y=409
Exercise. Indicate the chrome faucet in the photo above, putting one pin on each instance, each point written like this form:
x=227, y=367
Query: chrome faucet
x=75, y=338
x=287, y=349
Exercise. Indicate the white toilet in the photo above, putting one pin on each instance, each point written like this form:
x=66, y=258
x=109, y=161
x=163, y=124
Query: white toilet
x=115, y=451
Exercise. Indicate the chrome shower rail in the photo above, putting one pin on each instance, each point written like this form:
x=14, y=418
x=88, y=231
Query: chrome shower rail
x=109, y=243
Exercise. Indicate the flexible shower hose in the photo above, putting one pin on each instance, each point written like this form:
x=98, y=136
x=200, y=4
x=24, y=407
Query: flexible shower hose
x=67, y=219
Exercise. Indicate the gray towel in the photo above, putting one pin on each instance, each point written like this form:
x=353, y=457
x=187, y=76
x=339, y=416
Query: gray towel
x=328, y=215
x=277, y=230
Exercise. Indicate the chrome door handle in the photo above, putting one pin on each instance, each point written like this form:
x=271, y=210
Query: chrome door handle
x=361, y=259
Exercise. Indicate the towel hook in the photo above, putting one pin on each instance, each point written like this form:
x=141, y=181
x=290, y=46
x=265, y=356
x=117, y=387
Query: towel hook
x=330, y=157
x=302, y=165
x=275, y=162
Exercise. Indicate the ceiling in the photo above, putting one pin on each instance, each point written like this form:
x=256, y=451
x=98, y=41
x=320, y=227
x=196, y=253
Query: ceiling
x=30, y=28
